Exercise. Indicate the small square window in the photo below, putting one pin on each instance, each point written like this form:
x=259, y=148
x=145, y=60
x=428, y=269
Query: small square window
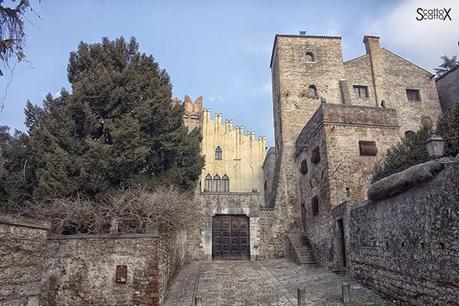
x=413, y=95
x=361, y=91
x=368, y=148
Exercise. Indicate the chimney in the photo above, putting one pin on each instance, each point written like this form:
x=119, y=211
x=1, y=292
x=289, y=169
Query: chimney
x=377, y=67
x=371, y=43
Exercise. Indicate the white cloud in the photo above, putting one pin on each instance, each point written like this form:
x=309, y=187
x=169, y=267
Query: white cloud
x=421, y=41
x=218, y=99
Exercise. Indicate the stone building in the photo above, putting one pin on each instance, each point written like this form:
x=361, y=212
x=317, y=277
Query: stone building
x=448, y=89
x=333, y=122
x=230, y=187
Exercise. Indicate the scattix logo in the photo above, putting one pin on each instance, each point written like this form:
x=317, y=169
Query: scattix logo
x=433, y=13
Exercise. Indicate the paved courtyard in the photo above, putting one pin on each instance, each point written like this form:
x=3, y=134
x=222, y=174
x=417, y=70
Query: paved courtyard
x=271, y=282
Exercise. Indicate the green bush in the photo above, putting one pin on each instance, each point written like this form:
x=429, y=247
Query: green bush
x=412, y=151
x=448, y=128
x=406, y=153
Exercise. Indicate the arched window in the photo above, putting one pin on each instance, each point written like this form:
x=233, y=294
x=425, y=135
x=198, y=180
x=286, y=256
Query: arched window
x=217, y=183
x=312, y=91
x=225, y=181
x=208, y=185
x=304, y=167
x=309, y=57
x=218, y=153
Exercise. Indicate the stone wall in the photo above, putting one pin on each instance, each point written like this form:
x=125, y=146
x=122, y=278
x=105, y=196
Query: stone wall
x=82, y=269
x=234, y=203
x=341, y=172
x=172, y=256
x=22, y=252
x=405, y=246
x=448, y=90
x=269, y=168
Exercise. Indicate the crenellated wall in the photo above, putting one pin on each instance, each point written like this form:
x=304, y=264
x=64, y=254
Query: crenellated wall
x=242, y=154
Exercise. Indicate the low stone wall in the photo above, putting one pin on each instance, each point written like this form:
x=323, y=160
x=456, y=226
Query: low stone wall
x=406, y=246
x=172, y=256
x=82, y=270
x=86, y=269
x=22, y=252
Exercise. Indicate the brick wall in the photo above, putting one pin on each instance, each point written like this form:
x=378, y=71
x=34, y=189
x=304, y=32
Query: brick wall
x=406, y=246
x=22, y=252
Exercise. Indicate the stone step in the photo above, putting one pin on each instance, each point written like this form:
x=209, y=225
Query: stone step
x=302, y=249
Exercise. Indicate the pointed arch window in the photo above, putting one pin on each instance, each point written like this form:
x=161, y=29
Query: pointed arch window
x=226, y=183
x=208, y=183
x=218, y=153
x=217, y=183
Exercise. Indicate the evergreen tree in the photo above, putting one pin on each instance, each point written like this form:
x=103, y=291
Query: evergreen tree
x=448, y=64
x=117, y=129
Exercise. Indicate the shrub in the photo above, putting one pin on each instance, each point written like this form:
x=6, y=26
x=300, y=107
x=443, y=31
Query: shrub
x=406, y=153
x=448, y=128
x=411, y=151
x=133, y=209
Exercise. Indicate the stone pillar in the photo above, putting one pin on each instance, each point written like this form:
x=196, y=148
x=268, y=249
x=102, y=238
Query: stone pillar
x=346, y=292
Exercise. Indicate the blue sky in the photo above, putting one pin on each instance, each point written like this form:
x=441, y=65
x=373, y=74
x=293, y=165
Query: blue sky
x=217, y=49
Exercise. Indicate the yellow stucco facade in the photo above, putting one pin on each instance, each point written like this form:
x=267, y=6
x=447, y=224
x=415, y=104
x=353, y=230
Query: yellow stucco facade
x=233, y=160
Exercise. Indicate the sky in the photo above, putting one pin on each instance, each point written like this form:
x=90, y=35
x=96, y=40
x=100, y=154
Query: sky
x=216, y=49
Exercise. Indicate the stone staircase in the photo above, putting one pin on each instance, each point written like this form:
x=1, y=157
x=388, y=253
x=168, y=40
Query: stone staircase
x=300, y=249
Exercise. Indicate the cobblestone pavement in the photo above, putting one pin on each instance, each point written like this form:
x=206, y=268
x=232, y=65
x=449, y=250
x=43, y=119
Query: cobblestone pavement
x=271, y=282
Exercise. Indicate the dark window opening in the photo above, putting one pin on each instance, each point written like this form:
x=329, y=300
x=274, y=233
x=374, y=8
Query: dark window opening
x=348, y=192
x=304, y=167
x=195, y=117
x=315, y=156
x=226, y=183
x=368, y=148
x=315, y=206
x=361, y=91
x=217, y=183
x=413, y=95
x=309, y=57
x=218, y=153
x=208, y=184
x=312, y=92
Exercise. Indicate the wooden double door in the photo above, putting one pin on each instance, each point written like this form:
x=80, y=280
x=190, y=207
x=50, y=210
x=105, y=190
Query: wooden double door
x=230, y=237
